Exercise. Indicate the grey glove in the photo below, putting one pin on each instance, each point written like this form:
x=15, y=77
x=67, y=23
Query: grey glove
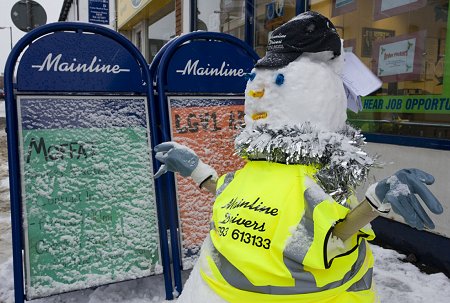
x=399, y=190
x=179, y=158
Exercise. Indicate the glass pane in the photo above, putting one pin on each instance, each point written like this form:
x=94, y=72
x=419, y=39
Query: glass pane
x=404, y=44
x=160, y=32
x=269, y=14
x=226, y=16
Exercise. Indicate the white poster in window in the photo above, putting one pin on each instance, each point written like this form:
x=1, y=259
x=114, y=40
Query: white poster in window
x=341, y=3
x=396, y=58
x=399, y=58
x=341, y=7
x=387, y=8
x=390, y=4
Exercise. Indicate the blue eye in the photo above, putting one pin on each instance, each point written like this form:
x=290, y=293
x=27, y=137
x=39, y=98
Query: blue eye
x=250, y=76
x=279, y=80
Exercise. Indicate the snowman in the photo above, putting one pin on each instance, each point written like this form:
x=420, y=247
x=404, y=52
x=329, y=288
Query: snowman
x=287, y=226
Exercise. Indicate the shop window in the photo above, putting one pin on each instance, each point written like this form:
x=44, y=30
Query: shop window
x=269, y=14
x=160, y=32
x=404, y=43
x=138, y=40
x=226, y=16
x=138, y=35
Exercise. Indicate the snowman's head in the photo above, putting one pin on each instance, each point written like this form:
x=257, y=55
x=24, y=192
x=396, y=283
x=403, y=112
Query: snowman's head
x=298, y=80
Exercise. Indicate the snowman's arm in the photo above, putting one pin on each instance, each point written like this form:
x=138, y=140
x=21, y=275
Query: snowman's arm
x=399, y=190
x=210, y=185
x=356, y=219
x=180, y=159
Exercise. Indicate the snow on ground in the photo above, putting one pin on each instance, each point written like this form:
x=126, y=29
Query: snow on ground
x=2, y=109
x=401, y=282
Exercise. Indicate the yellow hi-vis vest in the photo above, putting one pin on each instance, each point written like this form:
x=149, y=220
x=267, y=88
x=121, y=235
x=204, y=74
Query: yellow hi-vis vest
x=271, y=236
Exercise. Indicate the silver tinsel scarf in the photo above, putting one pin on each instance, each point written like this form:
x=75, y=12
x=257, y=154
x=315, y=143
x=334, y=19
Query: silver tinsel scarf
x=342, y=164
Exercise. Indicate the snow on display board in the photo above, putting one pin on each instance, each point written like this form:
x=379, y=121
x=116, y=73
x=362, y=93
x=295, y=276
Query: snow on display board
x=87, y=190
x=208, y=126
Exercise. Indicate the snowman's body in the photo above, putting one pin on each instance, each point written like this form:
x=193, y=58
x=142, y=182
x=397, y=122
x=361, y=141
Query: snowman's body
x=271, y=238
x=196, y=290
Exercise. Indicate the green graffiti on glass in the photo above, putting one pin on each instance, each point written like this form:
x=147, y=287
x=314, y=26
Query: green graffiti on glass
x=90, y=211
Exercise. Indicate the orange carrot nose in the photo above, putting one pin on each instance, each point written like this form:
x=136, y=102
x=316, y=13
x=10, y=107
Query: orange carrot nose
x=259, y=116
x=256, y=94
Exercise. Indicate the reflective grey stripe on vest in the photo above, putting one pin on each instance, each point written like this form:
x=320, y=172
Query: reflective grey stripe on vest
x=228, y=178
x=304, y=280
x=365, y=283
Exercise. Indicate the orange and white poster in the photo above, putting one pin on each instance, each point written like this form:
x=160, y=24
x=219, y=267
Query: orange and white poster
x=207, y=125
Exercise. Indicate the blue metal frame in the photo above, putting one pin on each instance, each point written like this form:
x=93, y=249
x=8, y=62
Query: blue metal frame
x=249, y=22
x=167, y=178
x=13, y=152
x=161, y=65
x=301, y=6
x=170, y=49
x=430, y=143
x=194, y=17
x=162, y=192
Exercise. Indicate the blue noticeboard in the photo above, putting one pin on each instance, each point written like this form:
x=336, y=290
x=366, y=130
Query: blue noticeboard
x=75, y=62
x=192, y=70
x=200, y=83
x=84, y=205
x=99, y=11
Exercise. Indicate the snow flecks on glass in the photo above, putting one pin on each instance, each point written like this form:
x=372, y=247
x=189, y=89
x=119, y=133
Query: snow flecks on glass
x=90, y=209
x=208, y=127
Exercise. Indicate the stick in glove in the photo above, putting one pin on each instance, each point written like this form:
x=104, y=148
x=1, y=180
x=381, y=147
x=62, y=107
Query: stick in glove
x=179, y=158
